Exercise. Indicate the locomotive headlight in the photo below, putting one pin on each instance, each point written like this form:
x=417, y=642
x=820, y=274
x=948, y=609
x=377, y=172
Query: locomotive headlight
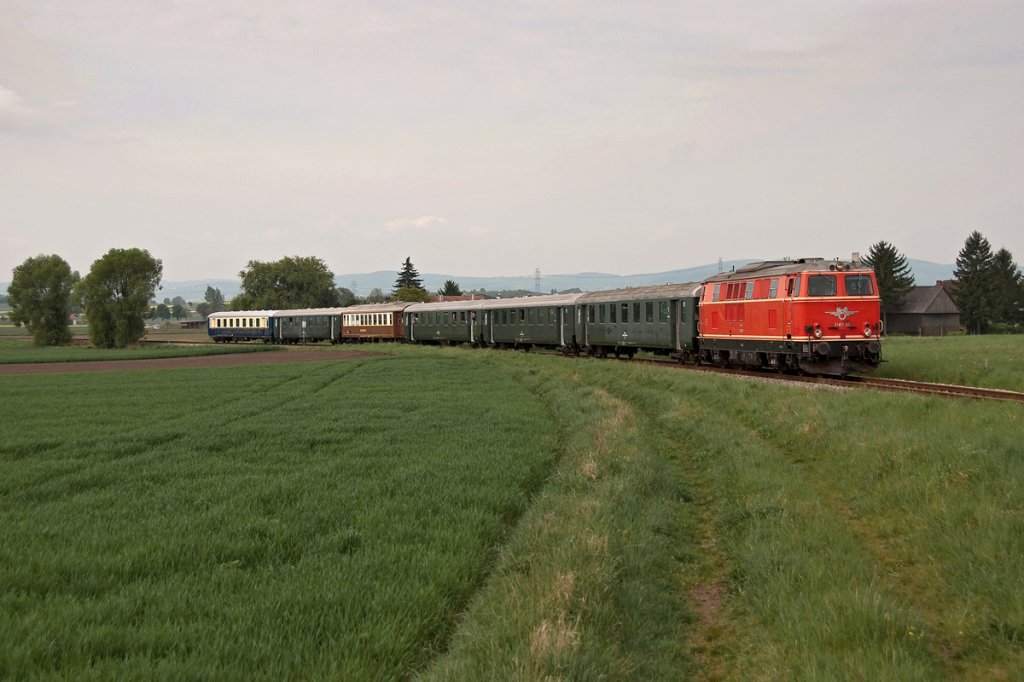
x=817, y=331
x=867, y=330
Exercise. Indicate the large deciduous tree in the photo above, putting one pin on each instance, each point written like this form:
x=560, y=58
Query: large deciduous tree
x=290, y=283
x=412, y=295
x=892, y=272
x=116, y=294
x=40, y=298
x=408, y=278
x=974, y=282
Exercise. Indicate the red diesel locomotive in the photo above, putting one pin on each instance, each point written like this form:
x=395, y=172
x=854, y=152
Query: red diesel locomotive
x=815, y=315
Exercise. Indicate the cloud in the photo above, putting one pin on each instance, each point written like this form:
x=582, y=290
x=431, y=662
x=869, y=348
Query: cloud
x=420, y=224
x=479, y=230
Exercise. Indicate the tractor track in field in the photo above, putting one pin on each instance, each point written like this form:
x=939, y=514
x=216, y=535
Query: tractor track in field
x=289, y=356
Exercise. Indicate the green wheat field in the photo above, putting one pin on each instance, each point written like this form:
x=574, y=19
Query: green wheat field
x=451, y=514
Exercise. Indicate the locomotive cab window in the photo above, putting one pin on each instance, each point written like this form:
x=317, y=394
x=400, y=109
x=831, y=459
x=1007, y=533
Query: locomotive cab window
x=821, y=285
x=858, y=285
x=793, y=286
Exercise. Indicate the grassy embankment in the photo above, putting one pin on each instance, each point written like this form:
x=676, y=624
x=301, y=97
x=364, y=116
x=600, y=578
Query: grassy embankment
x=992, y=361
x=482, y=515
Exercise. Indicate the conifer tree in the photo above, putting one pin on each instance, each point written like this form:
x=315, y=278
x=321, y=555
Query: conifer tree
x=1006, y=289
x=974, y=282
x=408, y=278
x=892, y=272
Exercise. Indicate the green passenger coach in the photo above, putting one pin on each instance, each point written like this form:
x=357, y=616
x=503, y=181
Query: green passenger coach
x=546, y=321
x=661, y=319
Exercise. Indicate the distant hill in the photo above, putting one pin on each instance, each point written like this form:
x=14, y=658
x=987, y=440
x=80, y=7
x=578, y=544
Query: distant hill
x=925, y=272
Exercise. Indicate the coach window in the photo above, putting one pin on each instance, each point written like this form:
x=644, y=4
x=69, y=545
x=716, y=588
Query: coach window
x=625, y=314
x=611, y=313
x=821, y=285
x=601, y=313
x=590, y=314
x=858, y=285
x=649, y=312
x=551, y=315
x=663, y=311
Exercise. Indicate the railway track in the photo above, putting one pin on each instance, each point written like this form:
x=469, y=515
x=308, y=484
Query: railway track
x=892, y=385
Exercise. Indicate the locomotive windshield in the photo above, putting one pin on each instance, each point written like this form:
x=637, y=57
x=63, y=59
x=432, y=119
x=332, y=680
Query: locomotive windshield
x=858, y=285
x=821, y=285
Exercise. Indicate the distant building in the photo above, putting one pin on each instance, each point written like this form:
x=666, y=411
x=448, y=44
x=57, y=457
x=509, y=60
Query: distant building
x=926, y=311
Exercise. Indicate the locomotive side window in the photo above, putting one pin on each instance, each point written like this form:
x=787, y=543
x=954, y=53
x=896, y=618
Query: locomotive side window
x=858, y=285
x=821, y=285
x=793, y=286
x=718, y=288
x=773, y=288
x=749, y=293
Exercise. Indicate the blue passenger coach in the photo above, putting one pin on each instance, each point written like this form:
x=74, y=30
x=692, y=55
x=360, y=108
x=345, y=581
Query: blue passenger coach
x=243, y=325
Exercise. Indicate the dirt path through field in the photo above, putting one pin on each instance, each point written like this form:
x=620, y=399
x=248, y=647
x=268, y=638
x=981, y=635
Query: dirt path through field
x=229, y=360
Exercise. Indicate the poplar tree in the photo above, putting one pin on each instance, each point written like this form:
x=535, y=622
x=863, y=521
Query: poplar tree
x=974, y=282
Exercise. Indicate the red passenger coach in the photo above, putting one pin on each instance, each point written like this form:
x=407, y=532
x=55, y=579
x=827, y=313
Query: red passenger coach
x=812, y=314
x=373, y=322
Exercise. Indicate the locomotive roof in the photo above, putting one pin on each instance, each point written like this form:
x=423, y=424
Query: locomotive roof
x=658, y=291
x=787, y=267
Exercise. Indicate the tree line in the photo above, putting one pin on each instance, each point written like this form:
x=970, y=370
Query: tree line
x=116, y=293
x=988, y=287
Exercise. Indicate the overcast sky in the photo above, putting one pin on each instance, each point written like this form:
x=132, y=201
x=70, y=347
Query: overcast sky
x=496, y=138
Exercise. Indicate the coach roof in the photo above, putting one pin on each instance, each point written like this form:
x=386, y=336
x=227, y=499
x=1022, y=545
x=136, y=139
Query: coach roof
x=659, y=291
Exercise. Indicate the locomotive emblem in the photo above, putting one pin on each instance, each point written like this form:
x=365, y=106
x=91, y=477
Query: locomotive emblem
x=841, y=313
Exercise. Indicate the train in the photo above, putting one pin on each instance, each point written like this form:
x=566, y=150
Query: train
x=811, y=315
